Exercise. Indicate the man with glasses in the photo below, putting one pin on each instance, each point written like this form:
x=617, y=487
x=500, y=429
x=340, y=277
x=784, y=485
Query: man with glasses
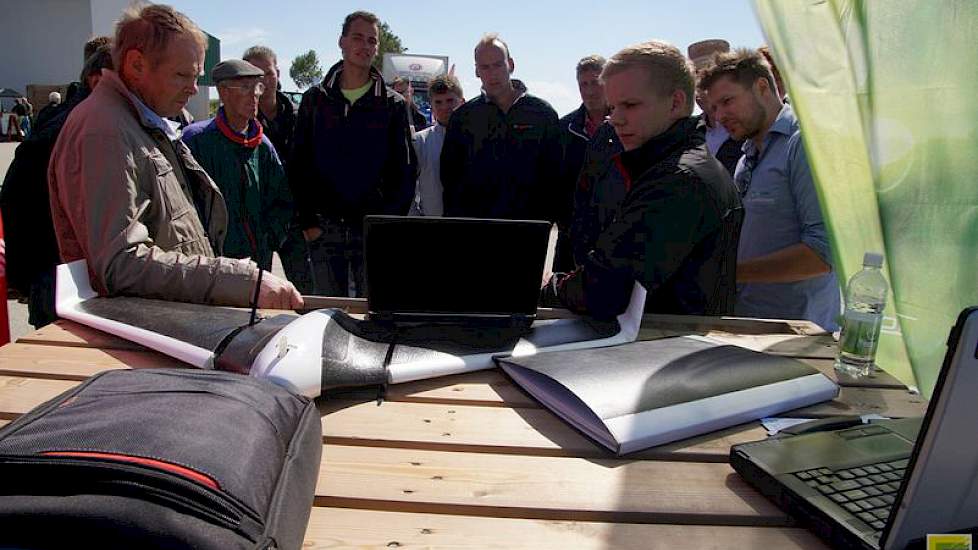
x=784, y=267
x=351, y=156
x=242, y=161
x=127, y=195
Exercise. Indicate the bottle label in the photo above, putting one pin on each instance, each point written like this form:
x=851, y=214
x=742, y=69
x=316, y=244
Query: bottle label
x=860, y=334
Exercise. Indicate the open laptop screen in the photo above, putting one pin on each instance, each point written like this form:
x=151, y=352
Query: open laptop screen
x=453, y=266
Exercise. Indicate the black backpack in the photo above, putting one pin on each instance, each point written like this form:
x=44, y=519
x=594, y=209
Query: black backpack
x=161, y=458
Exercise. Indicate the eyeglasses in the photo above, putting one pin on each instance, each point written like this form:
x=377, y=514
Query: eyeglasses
x=257, y=88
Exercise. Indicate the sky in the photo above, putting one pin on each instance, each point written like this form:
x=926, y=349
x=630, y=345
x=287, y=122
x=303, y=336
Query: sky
x=546, y=38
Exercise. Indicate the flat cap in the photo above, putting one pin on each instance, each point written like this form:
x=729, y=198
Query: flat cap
x=234, y=68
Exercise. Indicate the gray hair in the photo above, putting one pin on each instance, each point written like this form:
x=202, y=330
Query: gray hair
x=260, y=52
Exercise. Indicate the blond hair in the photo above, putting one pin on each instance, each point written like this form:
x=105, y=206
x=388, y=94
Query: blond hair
x=668, y=68
x=149, y=29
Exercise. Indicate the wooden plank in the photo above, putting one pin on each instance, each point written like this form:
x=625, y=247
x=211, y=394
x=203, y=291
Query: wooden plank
x=19, y=395
x=491, y=429
x=74, y=363
x=431, y=426
x=358, y=306
x=487, y=388
x=70, y=334
x=738, y=325
x=891, y=403
x=536, y=487
x=492, y=387
x=878, y=379
x=351, y=528
x=499, y=430
x=791, y=345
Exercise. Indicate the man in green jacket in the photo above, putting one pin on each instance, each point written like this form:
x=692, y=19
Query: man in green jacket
x=242, y=161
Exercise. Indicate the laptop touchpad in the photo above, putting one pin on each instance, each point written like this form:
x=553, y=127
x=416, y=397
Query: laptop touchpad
x=881, y=445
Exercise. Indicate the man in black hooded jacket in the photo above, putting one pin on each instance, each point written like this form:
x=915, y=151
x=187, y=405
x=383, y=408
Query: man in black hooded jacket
x=676, y=229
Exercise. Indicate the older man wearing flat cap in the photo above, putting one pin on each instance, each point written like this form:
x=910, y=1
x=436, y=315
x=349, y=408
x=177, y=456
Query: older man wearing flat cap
x=233, y=149
x=126, y=193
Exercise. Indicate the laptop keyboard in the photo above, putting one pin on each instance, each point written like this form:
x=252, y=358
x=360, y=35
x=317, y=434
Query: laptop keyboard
x=866, y=491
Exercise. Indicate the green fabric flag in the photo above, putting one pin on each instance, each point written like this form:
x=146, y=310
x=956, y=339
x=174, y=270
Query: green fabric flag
x=887, y=96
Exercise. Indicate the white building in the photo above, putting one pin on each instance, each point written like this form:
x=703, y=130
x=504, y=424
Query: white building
x=42, y=40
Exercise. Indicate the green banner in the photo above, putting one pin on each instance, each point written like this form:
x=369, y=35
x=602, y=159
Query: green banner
x=887, y=95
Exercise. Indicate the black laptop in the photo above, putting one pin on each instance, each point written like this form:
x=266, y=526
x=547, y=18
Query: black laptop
x=454, y=270
x=890, y=483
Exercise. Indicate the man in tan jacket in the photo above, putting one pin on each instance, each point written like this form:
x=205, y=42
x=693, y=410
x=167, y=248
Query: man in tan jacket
x=127, y=195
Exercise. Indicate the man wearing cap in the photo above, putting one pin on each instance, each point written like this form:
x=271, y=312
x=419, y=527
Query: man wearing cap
x=718, y=141
x=351, y=156
x=784, y=263
x=127, y=195
x=242, y=161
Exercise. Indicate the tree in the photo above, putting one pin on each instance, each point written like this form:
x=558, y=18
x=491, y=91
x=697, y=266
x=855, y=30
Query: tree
x=305, y=70
x=388, y=42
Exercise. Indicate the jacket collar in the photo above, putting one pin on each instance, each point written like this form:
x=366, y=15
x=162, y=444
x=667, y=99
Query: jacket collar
x=577, y=123
x=147, y=117
x=332, y=80
x=252, y=137
x=639, y=161
x=517, y=85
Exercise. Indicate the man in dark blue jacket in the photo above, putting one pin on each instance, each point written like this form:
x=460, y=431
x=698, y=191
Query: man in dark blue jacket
x=351, y=156
x=501, y=157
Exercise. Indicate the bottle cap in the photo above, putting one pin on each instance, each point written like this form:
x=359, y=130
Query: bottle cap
x=873, y=259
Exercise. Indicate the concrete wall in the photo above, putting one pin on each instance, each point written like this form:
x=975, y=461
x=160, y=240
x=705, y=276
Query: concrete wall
x=42, y=41
x=199, y=103
x=104, y=15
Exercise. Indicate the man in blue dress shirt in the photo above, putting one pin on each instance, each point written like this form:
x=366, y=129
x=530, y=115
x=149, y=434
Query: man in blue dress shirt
x=784, y=264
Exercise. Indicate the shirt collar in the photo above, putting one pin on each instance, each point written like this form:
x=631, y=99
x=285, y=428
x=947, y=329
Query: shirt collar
x=146, y=115
x=786, y=123
x=149, y=117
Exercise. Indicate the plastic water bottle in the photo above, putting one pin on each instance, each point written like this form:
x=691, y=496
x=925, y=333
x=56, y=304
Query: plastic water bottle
x=865, y=300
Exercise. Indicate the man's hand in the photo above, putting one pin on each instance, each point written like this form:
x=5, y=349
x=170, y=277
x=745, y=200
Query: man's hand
x=312, y=233
x=278, y=293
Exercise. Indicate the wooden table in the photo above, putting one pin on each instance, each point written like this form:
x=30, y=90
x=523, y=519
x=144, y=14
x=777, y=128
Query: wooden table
x=472, y=461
